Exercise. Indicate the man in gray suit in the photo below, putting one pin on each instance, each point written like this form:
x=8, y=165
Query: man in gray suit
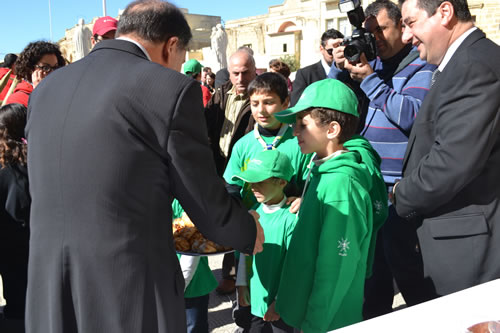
x=113, y=138
x=450, y=184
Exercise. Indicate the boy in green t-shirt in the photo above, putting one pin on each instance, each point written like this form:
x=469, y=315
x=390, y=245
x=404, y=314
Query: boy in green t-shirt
x=268, y=95
x=323, y=276
x=199, y=282
x=267, y=173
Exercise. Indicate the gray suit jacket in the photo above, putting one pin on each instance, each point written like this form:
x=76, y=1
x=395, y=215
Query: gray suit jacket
x=451, y=185
x=113, y=138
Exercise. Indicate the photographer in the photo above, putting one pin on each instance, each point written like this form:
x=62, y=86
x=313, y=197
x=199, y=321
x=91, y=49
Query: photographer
x=395, y=83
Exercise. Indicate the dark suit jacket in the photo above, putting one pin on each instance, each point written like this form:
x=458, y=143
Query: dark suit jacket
x=112, y=139
x=451, y=181
x=304, y=77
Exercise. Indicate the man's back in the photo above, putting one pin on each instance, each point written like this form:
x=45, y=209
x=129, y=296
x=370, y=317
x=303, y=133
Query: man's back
x=112, y=138
x=88, y=157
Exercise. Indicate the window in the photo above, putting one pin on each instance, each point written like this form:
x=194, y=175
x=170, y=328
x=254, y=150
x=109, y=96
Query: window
x=344, y=26
x=330, y=24
x=284, y=48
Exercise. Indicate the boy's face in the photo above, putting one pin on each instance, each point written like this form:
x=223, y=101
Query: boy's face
x=264, y=105
x=269, y=191
x=312, y=137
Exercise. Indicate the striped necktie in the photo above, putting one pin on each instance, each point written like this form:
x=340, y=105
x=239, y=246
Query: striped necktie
x=435, y=75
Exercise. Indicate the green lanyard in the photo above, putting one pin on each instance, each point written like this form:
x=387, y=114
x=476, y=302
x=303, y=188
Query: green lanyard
x=270, y=146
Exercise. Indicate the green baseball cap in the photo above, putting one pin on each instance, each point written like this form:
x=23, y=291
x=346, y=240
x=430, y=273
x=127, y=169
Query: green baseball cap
x=192, y=66
x=327, y=93
x=266, y=164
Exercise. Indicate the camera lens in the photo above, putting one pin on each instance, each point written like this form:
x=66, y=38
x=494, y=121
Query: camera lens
x=352, y=52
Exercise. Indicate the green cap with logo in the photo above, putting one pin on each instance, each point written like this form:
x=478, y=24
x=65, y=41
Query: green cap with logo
x=327, y=93
x=266, y=164
x=192, y=66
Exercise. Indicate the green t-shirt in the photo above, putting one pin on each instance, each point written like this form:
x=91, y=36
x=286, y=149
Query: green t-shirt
x=248, y=146
x=267, y=265
x=203, y=281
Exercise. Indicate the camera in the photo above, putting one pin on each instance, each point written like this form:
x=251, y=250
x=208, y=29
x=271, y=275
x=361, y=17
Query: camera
x=361, y=41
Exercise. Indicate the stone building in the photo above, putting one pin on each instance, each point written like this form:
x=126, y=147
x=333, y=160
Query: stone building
x=294, y=28
x=201, y=27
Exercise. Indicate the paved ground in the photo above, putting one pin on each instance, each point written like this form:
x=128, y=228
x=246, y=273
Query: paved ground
x=219, y=309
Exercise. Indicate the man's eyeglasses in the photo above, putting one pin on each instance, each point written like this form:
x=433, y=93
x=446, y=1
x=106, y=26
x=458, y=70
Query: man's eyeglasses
x=46, y=68
x=329, y=51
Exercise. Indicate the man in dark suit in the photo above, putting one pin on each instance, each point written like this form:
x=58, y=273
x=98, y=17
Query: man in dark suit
x=330, y=40
x=113, y=138
x=450, y=186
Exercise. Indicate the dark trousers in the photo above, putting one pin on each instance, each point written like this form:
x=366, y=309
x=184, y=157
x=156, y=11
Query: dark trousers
x=197, y=314
x=228, y=266
x=258, y=325
x=396, y=257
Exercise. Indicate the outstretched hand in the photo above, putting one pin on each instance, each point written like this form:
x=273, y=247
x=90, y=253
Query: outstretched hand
x=259, y=241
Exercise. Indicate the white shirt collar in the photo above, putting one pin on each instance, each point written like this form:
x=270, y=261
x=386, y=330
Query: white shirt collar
x=269, y=209
x=453, y=48
x=320, y=161
x=138, y=45
x=325, y=66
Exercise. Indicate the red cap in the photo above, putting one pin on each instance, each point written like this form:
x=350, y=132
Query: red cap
x=104, y=25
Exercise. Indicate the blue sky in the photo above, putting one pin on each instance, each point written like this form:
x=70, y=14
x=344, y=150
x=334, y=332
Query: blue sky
x=26, y=21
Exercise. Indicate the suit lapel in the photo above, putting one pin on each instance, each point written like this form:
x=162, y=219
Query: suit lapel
x=320, y=71
x=471, y=39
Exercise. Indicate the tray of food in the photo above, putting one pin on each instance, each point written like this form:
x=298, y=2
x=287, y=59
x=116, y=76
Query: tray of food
x=188, y=239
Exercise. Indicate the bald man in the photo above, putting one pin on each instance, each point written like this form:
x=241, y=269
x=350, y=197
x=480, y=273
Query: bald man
x=229, y=117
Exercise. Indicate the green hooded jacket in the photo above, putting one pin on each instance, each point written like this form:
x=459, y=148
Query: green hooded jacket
x=378, y=192
x=323, y=276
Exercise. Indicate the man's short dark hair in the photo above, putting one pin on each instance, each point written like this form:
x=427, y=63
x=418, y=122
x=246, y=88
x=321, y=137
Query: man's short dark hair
x=392, y=10
x=330, y=34
x=207, y=69
x=348, y=122
x=269, y=83
x=461, y=8
x=154, y=21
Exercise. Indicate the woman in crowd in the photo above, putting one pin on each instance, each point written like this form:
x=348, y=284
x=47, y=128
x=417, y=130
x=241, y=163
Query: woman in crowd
x=278, y=66
x=35, y=62
x=14, y=209
x=7, y=74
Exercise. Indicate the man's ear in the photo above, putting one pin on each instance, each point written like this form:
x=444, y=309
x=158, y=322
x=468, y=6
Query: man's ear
x=285, y=103
x=446, y=12
x=169, y=48
x=334, y=130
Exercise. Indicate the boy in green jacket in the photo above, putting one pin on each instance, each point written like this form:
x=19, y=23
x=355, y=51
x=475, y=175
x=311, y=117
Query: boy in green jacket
x=323, y=276
x=267, y=173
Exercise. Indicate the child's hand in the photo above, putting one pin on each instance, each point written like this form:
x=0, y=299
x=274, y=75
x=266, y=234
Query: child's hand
x=243, y=296
x=294, y=203
x=271, y=314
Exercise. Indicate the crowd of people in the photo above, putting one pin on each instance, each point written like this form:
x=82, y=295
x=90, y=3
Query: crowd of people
x=330, y=188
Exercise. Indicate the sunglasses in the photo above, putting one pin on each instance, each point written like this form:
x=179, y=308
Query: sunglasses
x=329, y=51
x=46, y=68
